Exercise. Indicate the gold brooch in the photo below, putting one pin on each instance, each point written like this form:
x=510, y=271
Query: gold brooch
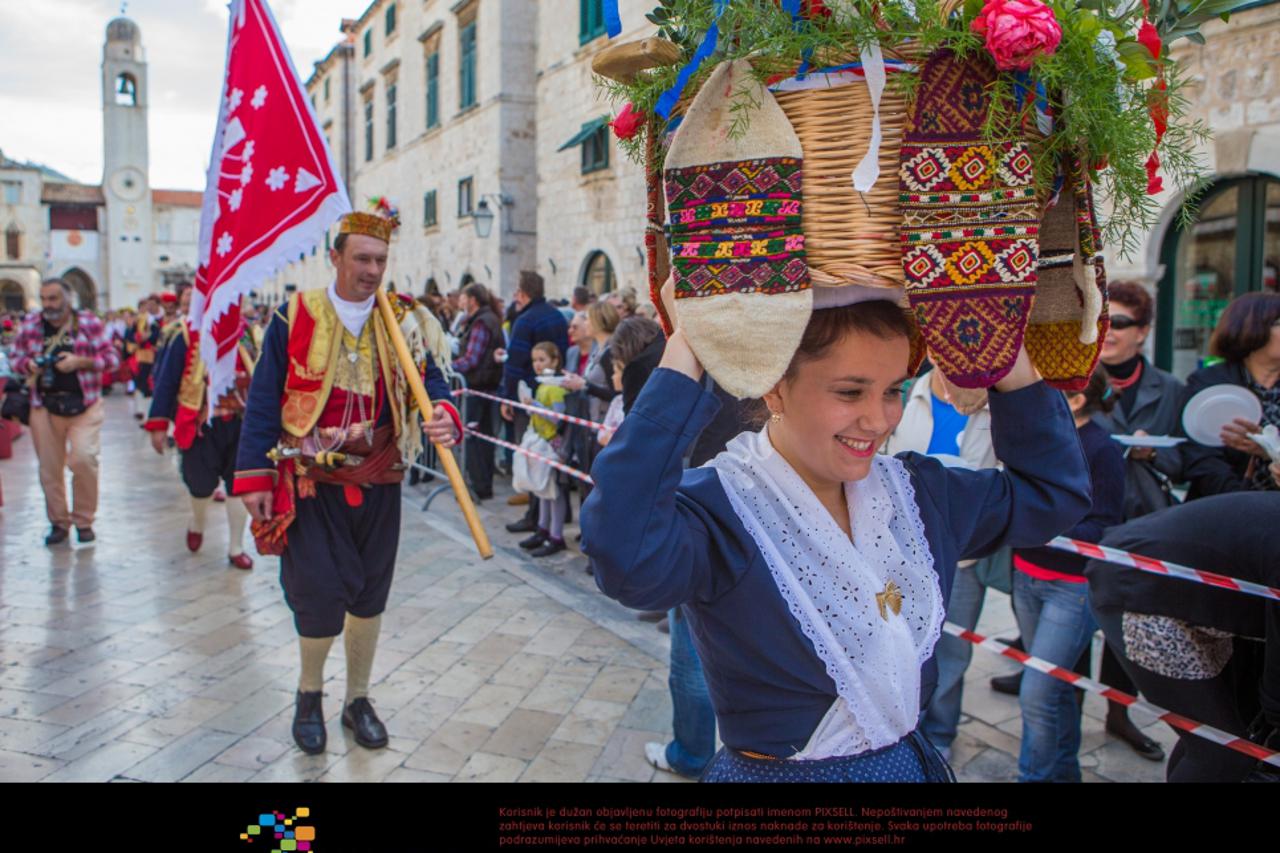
x=892, y=597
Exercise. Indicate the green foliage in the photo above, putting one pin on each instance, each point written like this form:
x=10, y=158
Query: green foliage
x=1099, y=80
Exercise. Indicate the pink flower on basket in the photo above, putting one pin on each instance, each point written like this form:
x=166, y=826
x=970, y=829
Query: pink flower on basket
x=1017, y=32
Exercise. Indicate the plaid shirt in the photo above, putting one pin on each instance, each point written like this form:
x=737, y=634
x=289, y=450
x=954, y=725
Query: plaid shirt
x=91, y=341
x=476, y=343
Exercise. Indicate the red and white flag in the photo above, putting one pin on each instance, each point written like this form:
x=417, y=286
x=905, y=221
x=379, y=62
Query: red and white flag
x=272, y=192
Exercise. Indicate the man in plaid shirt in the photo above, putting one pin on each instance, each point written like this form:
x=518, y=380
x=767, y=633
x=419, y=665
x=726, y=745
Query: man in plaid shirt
x=65, y=353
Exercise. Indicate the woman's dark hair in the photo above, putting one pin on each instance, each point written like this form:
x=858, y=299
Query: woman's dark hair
x=828, y=326
x=1099, y=396
x=1133, y=296
x=1245, y=327
x=631, y=337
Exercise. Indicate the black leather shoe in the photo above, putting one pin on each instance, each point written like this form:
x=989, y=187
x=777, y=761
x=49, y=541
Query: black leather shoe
x=308, y=723
x=552, y=546
x=537, y=540
x=57, y=535
x=1007, y=684
x=524, y=525
x=364, y=723
x=85, y=534
x=1132, y=735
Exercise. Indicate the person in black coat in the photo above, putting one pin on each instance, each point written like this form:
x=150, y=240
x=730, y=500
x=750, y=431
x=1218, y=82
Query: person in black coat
x=1187, y=645
x=1247, y=338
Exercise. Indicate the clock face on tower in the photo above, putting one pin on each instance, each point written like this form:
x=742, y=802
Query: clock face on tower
x=128, y=183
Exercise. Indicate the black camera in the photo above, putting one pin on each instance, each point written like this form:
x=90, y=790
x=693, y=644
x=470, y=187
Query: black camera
x=48, y=373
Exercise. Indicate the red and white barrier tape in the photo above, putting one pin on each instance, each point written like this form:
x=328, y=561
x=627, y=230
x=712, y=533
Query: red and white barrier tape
x=537, y=410
x=1075, y=679
x=554, y=463
x=1160, y=567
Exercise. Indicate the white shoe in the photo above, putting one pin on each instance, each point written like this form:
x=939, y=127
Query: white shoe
x=657, y=755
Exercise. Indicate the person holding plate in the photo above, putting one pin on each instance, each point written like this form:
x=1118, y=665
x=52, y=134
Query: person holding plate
x=1149, y=403
x=1247, y=338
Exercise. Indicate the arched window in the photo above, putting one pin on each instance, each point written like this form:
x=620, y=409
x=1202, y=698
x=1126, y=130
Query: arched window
x=1232, y=247
x=466, y=279
x=126, y=90
x=13, y=241
x=598, y=274
x=12, y=297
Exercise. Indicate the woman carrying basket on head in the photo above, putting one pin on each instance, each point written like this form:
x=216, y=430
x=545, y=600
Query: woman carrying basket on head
x=814, y=572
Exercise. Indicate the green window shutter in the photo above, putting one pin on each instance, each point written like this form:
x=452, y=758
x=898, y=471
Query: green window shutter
x=429, y=216
x=391, y=19
x=467, y=68
x=433, y=90
x=368, y=41
x=590, y=20
x=368, y=129
x=391, y=115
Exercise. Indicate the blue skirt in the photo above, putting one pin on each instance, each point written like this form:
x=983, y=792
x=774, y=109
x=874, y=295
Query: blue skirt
x=912, y=759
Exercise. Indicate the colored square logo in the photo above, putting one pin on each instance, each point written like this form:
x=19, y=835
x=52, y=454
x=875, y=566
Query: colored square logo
x=266, y=820
x=288, y=822
x=303, y=812
x=305, y=833
x=255, y=830
x=288, y=844
x=288, y=835
x=304, y=845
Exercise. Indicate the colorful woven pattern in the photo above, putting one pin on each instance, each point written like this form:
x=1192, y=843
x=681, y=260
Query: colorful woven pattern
x=1070, y=319
x=970, y=225
x=735, y=228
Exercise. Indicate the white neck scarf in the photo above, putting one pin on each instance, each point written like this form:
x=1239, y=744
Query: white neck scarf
x=830, y=585
x=352, y=314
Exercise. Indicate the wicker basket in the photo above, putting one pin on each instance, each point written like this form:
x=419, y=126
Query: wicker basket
x=850, y=237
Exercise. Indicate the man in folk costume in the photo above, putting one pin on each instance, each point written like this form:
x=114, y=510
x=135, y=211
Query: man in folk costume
x=141, y=341
x=329, y=423
x=207, y=440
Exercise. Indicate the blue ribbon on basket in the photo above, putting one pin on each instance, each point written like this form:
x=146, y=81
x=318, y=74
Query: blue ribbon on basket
x=612, y=18
x=1021, y=87
x=792, y=7
x=671, y=97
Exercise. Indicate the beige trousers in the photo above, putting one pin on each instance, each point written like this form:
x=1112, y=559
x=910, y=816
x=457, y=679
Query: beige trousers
x=52, y=435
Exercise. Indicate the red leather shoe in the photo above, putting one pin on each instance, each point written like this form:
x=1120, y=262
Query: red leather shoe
x=194, y=541
x=241, y=561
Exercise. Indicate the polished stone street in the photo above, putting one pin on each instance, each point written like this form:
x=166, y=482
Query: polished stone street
x=133, y=660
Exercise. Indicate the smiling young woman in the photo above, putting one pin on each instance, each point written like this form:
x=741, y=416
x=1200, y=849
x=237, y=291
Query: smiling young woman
x=814, y=571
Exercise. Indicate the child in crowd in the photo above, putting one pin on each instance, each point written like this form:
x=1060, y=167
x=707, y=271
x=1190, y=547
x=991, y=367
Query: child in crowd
x=552, y=511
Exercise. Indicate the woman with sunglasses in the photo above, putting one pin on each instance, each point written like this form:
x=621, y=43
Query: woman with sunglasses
x=1150, y=401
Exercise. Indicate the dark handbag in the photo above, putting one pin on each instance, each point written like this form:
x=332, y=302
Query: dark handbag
x=16, y=406
x=64, y=405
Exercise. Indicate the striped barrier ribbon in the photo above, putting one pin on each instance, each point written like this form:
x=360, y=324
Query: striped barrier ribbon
x=1075, y=679
x=554, y=463
x=537, y=410
x=1160, y=567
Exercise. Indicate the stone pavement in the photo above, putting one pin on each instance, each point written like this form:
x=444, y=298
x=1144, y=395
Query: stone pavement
x=133, y=660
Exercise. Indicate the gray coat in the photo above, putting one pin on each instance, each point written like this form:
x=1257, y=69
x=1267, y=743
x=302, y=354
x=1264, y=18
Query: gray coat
x=1157, y=410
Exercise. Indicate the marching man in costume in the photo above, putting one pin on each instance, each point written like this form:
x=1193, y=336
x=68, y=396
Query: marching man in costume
x=207, y=440
x=329, y=423
x=141, y=341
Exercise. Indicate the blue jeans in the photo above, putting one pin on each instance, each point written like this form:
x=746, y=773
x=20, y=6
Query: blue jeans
x=693, y=718
x=1056, y=625
x=942, y=715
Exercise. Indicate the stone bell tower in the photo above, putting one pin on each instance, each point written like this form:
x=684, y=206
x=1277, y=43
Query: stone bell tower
x=125, y=183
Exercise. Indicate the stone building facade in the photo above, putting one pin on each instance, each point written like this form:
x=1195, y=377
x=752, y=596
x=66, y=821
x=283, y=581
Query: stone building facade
x=442, y=125
x=1233, y=244
x=114, y=242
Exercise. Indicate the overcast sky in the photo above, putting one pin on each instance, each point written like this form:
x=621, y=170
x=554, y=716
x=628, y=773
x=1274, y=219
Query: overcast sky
x=50, y=77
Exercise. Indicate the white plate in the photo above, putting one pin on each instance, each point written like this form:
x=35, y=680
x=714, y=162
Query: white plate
x=1215, y=407
x=551, y=379
x=1148, y=440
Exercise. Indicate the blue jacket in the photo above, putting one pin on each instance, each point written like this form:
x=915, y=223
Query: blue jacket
x=539, y=321
x=659, y=537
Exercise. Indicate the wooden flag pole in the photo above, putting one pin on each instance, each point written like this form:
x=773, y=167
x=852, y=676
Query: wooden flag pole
x=425, y=406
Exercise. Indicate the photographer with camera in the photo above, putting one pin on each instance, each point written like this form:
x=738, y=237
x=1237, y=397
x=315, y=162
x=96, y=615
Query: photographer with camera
x=64, y=354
